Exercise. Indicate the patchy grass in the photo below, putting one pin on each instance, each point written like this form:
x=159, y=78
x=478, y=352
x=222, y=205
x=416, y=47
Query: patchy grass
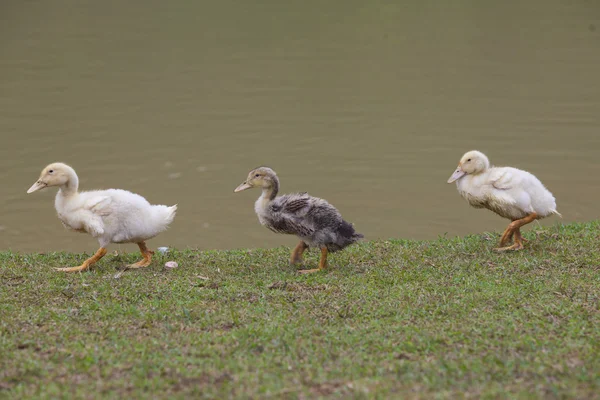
x=410, y=319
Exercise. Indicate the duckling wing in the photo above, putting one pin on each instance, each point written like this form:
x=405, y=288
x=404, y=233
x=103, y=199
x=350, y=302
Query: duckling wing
x=502, y=181
x=288, y=215
x=291, y=204
x=99, y=205
x=88, y=214
x=511, y=191
x=295, y=204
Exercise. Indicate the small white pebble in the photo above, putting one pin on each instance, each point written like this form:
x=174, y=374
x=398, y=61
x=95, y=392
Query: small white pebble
x=171, y=264
x=162, y=249
x=175, y=175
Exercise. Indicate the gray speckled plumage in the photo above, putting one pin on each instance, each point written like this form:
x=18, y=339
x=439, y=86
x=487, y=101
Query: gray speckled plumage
x=313, y=220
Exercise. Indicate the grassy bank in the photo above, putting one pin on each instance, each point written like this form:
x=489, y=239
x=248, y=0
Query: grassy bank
x=390, y=318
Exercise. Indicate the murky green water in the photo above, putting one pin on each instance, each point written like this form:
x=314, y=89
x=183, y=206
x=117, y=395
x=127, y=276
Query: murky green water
x=367, y=104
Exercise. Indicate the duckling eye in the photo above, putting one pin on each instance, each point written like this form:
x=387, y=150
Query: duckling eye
x=469, y=159
x=257, y=175
x=51, y=171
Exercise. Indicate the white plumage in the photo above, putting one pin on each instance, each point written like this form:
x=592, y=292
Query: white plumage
x=509, y=192
x=111, y=216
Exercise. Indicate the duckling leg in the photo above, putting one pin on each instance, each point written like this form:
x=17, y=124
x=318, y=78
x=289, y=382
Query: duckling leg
x=87, y=263
x=296, y=256
x=521, y=238
x=506, y=236
x=147, y=254
x=515, y=228
x=322, y=263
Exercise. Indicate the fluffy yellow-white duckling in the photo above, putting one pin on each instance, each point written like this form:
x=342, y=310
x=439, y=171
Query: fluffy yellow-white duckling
x=111, y=216
x=509, y=192
x=316, y=222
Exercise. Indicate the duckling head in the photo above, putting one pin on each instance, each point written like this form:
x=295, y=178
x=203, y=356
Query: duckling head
x=55, y=174
x=473, y=162
x=261, y=177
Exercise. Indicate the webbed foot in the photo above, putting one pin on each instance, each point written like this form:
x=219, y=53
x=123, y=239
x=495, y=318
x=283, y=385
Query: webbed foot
x=87, y=263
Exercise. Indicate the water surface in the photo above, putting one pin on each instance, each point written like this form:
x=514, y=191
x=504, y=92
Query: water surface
x=366, y=104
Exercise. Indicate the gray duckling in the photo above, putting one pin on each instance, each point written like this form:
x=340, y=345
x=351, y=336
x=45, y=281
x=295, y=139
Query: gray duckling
x=316, y=222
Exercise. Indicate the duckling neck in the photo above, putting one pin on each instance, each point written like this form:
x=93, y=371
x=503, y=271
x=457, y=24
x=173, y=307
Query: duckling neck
x=268, y=195
x=70, y=187
x=271, y=192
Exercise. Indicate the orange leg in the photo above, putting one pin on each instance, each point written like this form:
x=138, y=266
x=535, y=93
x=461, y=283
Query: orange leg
x=515, y=228
x=506, y=236
x=322, y=263
x=147, y=254
x=521, y=238
x=87, y=263
x=296, y=257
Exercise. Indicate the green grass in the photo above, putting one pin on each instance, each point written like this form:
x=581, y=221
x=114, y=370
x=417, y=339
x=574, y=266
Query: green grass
x=406, y=319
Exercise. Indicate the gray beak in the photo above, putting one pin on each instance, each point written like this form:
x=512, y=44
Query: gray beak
x=459, y=173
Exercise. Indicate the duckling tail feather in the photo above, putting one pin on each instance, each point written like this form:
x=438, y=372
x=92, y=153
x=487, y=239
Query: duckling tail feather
x=346, y=235
x=164, y=215
x=172, y=212
x=556, y=213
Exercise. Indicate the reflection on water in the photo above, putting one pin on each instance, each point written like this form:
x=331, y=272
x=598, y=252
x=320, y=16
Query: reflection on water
x=367, y=104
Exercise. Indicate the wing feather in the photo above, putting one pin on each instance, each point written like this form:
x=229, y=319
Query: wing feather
x=295, y=204
x=285, y=224
x=288, y=215
x=99, y=205
x=503, y=180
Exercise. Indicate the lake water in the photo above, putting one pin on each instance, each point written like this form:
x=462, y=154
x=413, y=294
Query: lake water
x=367, y=104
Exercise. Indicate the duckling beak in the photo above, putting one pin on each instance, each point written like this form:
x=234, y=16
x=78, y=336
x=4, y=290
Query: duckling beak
x=459, y=173
x=243, y=186
x=37, y=186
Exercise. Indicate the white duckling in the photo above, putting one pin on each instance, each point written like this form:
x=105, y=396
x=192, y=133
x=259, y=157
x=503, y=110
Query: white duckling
x=111, y=216
x=509, y=192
